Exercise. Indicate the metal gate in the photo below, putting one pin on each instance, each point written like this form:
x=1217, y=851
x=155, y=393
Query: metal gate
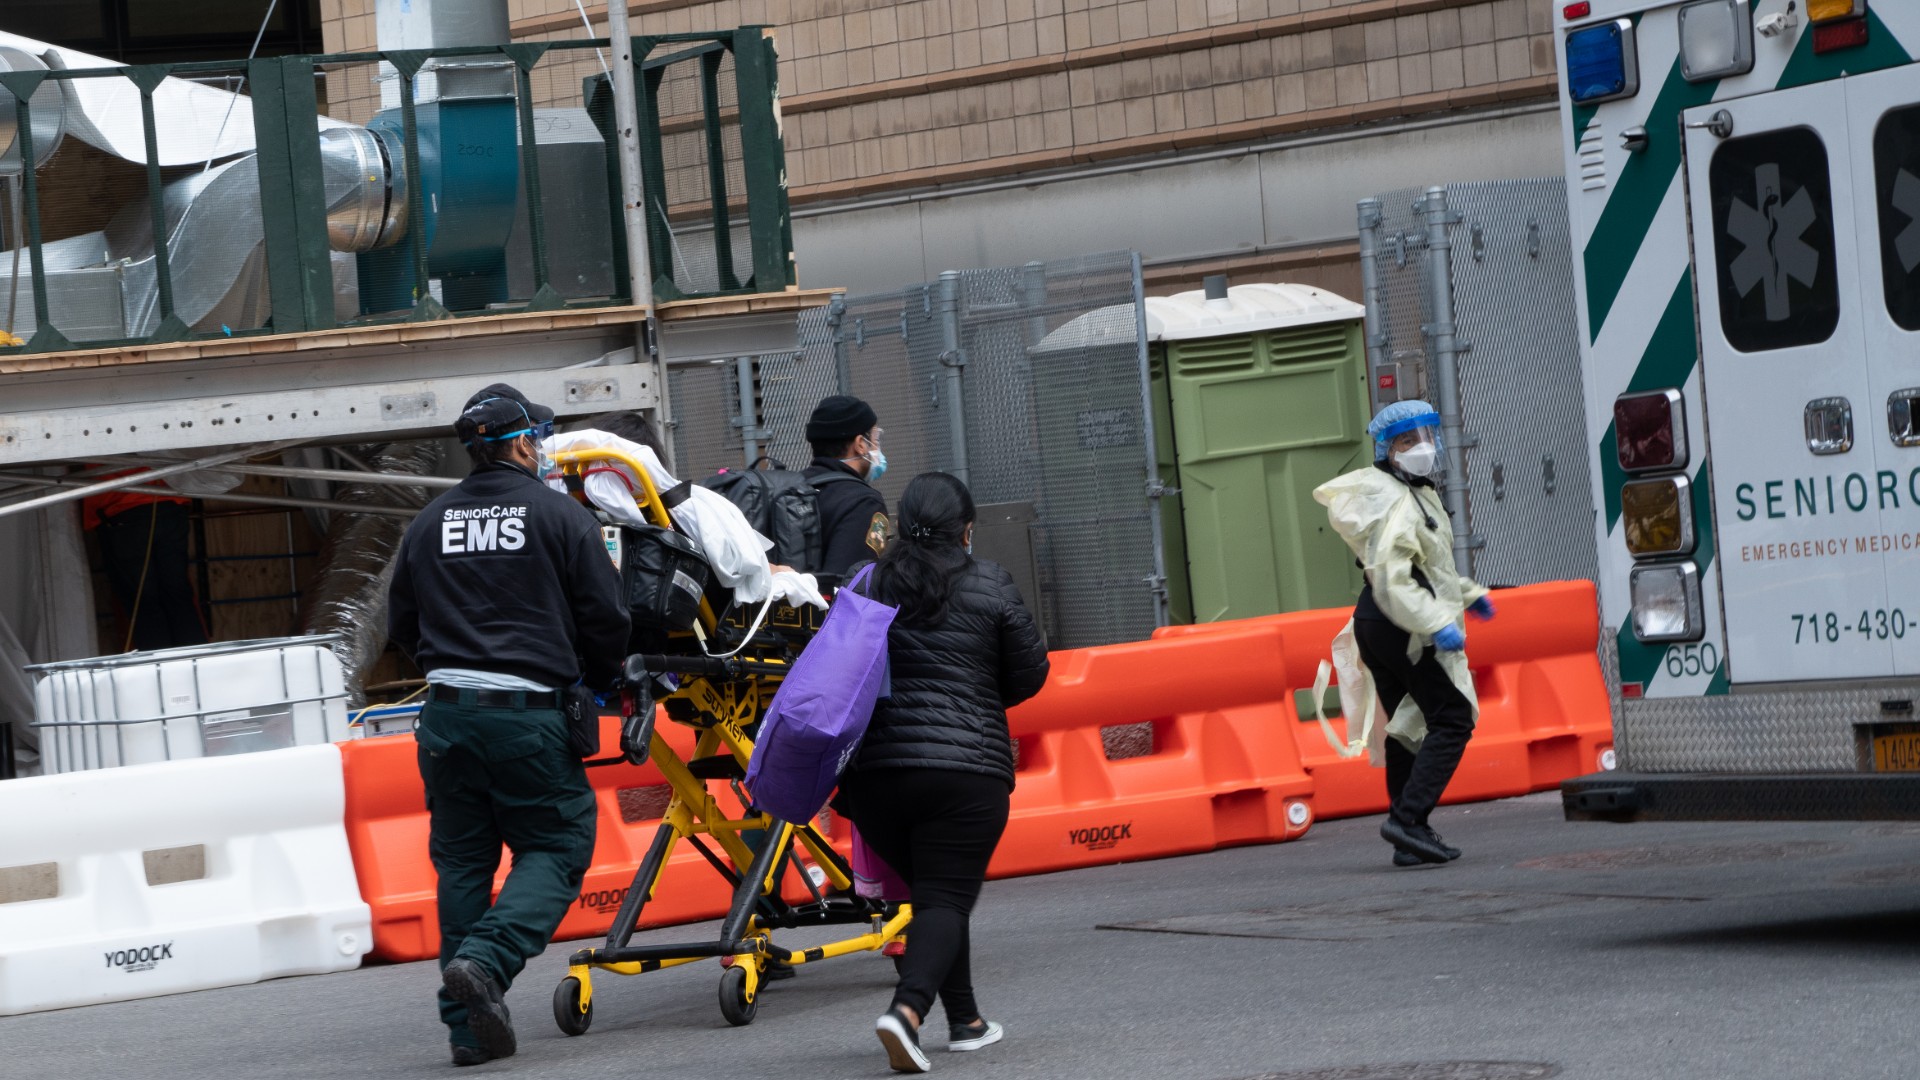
x=1057, y=450
x=1496, y=259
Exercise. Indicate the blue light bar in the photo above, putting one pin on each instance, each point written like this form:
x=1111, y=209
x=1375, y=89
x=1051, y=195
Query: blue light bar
x=1602, y=62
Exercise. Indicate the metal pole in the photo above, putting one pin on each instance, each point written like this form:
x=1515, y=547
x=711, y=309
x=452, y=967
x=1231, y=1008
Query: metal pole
x=293, y=501
x=1446, y=357
x=633, y=203
x=954, y=359
x=1156, y=485
x=118, y=482
x=1033, y=297
x=345, y=476
x=749, y=431
x=1376, y=318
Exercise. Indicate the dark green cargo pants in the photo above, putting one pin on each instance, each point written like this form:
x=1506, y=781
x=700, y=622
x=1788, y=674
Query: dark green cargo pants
x=498, y=776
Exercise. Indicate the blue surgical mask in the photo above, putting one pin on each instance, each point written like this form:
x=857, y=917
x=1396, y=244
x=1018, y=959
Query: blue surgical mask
x=877, y=465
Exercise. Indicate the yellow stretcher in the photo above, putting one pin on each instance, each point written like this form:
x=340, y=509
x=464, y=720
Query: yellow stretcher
x=721, y=698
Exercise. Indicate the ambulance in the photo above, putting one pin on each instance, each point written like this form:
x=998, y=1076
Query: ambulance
x=1743, y=178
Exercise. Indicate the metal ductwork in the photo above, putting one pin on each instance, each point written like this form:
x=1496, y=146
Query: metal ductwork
x=349, y=594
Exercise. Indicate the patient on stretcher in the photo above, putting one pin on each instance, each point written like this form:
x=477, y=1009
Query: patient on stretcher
x=736, y=552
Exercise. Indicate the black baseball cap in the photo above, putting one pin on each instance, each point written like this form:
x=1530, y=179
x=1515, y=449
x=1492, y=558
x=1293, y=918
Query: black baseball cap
x=501, y=412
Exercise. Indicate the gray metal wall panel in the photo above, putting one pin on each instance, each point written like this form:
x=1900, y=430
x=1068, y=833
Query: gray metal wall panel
x=1185, y=209
x=1520, y=386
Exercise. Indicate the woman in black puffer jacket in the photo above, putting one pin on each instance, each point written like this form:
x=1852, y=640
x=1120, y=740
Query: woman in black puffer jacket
x=929, y=787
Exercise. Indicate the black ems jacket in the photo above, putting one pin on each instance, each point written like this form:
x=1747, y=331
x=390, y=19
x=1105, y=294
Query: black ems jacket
x=504, y=575
x=953, y=683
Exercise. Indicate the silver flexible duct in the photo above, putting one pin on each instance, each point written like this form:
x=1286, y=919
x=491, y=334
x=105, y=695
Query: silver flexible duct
x=349, y=594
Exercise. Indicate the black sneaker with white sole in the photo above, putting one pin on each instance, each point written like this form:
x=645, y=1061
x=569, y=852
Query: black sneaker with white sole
x=964, y=1037
x=902, y=1042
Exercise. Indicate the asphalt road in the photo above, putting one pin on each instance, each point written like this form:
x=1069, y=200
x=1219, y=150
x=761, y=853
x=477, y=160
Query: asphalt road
x=1550, y=949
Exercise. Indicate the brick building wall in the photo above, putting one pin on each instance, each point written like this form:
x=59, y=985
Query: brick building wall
x=880, y=96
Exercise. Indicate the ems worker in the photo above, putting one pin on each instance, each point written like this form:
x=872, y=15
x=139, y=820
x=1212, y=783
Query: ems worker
x=845, y=435
x=1407, y=623
x=504, y=596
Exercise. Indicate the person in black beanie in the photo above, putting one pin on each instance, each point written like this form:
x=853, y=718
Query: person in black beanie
x=845, y=435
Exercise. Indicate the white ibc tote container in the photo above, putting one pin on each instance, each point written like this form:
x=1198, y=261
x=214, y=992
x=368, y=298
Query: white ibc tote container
x=233, y=697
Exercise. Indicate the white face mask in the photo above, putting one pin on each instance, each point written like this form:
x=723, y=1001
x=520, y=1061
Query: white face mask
x=1417, y=460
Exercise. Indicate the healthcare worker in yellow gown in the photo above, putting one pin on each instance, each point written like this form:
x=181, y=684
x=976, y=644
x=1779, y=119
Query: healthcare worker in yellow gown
x=1407, y=627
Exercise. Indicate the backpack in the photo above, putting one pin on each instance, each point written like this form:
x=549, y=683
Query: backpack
x=783, y=506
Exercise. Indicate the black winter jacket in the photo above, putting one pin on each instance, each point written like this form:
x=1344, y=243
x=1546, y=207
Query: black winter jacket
x=952, y=683
x=502, y=574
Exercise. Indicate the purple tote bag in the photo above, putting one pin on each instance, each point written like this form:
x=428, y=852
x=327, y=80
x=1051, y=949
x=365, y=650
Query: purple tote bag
x=821, y=710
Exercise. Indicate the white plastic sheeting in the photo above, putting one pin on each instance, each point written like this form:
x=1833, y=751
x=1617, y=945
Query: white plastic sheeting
x=46, y=600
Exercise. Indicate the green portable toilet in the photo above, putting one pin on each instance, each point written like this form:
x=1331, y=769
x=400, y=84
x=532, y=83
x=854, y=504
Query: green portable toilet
x=1265, y=390
x=1258, y=395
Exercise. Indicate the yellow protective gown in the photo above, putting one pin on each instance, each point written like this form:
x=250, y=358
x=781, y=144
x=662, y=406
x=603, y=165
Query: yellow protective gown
x=1384, y=522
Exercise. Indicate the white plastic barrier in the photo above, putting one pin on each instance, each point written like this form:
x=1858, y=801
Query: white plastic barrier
x=198, y=701
x=260, y=840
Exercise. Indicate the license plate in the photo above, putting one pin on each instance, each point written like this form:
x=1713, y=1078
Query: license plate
x=1897, y=752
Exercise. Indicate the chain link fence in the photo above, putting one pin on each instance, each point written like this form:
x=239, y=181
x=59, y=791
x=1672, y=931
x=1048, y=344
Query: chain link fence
x=1055, y=444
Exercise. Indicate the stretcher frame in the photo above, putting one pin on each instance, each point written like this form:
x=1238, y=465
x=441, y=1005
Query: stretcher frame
x=720, y=698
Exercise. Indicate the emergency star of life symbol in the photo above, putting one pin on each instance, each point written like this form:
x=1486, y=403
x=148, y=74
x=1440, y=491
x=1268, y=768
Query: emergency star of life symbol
x=1906, y=199
x=1770, y=234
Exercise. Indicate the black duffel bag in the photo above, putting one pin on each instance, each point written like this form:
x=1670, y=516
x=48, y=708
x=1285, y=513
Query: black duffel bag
x=663, y=574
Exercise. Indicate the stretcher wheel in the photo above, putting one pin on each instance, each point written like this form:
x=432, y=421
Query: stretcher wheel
x=733, y=997
x=566, y=1007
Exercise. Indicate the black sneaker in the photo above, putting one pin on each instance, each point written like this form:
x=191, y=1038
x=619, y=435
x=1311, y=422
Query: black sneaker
x=1407, y=858
x=778, y=970
x=470, y=985
x=1416, y=839
x=964, y=1037
x=469, y=1055
x=902, y=1042
x=1451, y=851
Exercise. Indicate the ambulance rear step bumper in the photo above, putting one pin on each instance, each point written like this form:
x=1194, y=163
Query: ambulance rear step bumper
x=1624, y=796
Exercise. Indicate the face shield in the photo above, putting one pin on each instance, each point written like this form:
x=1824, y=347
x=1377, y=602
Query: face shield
x=1416, y=452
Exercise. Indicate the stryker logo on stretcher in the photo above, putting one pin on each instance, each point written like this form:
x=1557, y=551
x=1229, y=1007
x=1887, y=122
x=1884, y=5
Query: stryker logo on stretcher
x=483, y=528
x=1816, y=496
x=145, y=958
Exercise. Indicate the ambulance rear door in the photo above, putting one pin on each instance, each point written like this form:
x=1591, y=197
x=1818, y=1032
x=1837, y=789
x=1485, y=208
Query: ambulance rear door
x=1791, y=403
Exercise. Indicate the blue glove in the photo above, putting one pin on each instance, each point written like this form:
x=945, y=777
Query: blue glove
x=1450, y=638
x=1482, y=608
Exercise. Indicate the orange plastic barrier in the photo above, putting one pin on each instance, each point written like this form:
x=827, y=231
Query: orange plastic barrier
x=1222, y=770
x=386, y=817
x=1544, y=712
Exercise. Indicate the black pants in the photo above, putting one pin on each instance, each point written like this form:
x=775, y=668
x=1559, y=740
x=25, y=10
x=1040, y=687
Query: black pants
x=1415, y=781
x=937, y=828
x=164, y=611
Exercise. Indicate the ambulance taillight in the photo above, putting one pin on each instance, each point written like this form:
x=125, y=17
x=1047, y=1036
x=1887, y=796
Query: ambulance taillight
x=1650, y=431
x=1658, y=516
x=1666, y=602
x=1837, y=24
